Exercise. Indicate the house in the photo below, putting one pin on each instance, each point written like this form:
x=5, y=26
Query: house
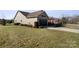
x=73, y=20
x=54, y=21
x=34, y=19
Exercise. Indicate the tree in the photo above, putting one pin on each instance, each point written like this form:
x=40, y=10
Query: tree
x=64, y=20
x=3, y=22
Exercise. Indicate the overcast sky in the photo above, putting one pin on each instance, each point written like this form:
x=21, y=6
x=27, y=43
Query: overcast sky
x=9, y=14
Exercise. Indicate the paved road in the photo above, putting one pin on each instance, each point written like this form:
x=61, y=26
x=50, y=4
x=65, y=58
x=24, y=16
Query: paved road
x=64, y=29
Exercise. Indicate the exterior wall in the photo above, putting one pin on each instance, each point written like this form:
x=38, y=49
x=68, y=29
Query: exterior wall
x=20, y=18
x=30, y=21
x=43, y=19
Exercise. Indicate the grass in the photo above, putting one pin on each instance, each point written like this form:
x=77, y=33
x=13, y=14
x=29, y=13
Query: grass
x=72, y=26
x=27, y=37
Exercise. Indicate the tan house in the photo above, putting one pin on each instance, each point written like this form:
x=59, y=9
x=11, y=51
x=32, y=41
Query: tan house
x=35, y=19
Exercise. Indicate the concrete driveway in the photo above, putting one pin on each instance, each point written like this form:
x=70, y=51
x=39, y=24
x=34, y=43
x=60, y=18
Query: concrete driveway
x=64, y=29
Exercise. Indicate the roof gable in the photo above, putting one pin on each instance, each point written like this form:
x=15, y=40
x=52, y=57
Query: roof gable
x=22, y=12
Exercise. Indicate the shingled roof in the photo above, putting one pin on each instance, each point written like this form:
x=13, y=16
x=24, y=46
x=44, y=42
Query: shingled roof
x=24, y=13
x=33, y=14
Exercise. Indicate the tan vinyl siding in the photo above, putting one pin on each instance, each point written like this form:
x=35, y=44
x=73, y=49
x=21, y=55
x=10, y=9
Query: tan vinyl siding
x=20, y=18
x=29, y=21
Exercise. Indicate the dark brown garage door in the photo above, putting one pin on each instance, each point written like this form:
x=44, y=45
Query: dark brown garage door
x=36, y=25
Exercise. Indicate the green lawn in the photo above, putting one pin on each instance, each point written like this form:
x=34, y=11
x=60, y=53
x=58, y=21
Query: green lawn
x=27, y=37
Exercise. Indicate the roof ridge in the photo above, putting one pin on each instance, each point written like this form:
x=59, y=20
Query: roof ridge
x=33, y=14
x=23, y=11
x=38, y=11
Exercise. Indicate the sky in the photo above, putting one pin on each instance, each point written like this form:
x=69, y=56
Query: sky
x=9, y=14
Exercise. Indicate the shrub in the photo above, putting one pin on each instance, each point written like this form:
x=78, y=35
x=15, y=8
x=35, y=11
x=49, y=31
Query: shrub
x=3, y=22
